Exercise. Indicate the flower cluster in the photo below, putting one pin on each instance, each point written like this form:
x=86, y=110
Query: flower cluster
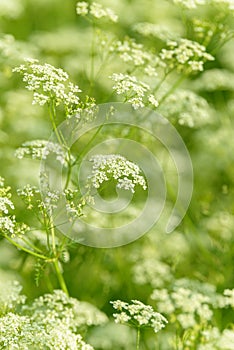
x=228, y=299
x=28, y=193
x=50, y=309
x=52, y=321
x=112, y=166
x=75, y=203
x=212, y=339
x=187, y=108
x=31, y=335
x=41, y=149
x=10, y=296
x=151, y=271
x=185, y=56
x=214, y=80
x=189, y=302
x=131, y=52
x=50, y=85
x=5, y=195
x=138, y=314
x=96, y=11
x=134, y=90
x=8, y=223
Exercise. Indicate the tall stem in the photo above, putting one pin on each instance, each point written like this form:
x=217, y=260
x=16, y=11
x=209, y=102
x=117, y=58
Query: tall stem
x=172, y=89
x=138, y=338
x=92, y=54
x=55, y=261
x=52, y=114
x=60, y=277
x=27, y=250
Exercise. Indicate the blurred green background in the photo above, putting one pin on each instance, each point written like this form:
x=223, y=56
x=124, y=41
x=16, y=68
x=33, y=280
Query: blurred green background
x=202, y=247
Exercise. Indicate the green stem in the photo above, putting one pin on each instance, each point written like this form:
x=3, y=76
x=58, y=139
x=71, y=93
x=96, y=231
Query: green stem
x=172, y=89
x=68, y=176
x=27, y=250
x=92, y=54
x=31, y=245
x=60, y=277
x=52, y=119
x=162, y=81
x=138, y=338
x=88, y=144
x=52, y=236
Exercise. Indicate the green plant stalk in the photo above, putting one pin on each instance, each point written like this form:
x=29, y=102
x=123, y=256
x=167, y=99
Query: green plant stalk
x=88, y=144
x=138, y=338
x=162, y=80
x=172, y=89
x=31, y=245
x=52, y=231
x=60, y=277
x=92, y=54
x=27, y=250
x=69, y=170
x=52, y=114
x=55, y=261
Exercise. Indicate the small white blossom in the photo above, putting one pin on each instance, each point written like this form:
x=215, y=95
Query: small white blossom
x=98, y=11
x=121, y=318
x=7, y=225
x=185, y=55
x=131, y=88
x=187, y=108
x=5, y=204
x=131, y=52
x=112, y=166
x=50, y=85
x=153, y=101
x=82, y=8
x=95, y=10
x=138, y=314
x=41, y=149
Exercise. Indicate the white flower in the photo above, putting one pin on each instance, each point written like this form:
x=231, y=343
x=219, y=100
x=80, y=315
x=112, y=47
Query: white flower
x=153, y=101
x=96, y=10
x=185, y=55
x=7, y=224
x=5, y=204
x=112, y=166
x=40, y=149
x=82, y=8
x=138, y=314
x=50, y=85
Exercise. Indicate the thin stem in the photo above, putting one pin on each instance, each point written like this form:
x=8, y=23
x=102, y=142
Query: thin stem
x=60, y=277
x=68, y=176
x=172, y=89
x=52, y=114
x=92, y=54
x=88, y=144
x=31, y=245
x=27, y=250
x=162, y=81
x=52, y=230
x=138, y=338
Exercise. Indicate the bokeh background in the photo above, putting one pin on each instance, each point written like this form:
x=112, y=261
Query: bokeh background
x=201, y=249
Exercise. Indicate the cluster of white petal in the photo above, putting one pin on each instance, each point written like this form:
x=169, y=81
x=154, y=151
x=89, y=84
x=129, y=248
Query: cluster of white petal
x=138, y=314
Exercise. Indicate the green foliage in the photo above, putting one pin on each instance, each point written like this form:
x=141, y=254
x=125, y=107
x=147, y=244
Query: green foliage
x=174, y=57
